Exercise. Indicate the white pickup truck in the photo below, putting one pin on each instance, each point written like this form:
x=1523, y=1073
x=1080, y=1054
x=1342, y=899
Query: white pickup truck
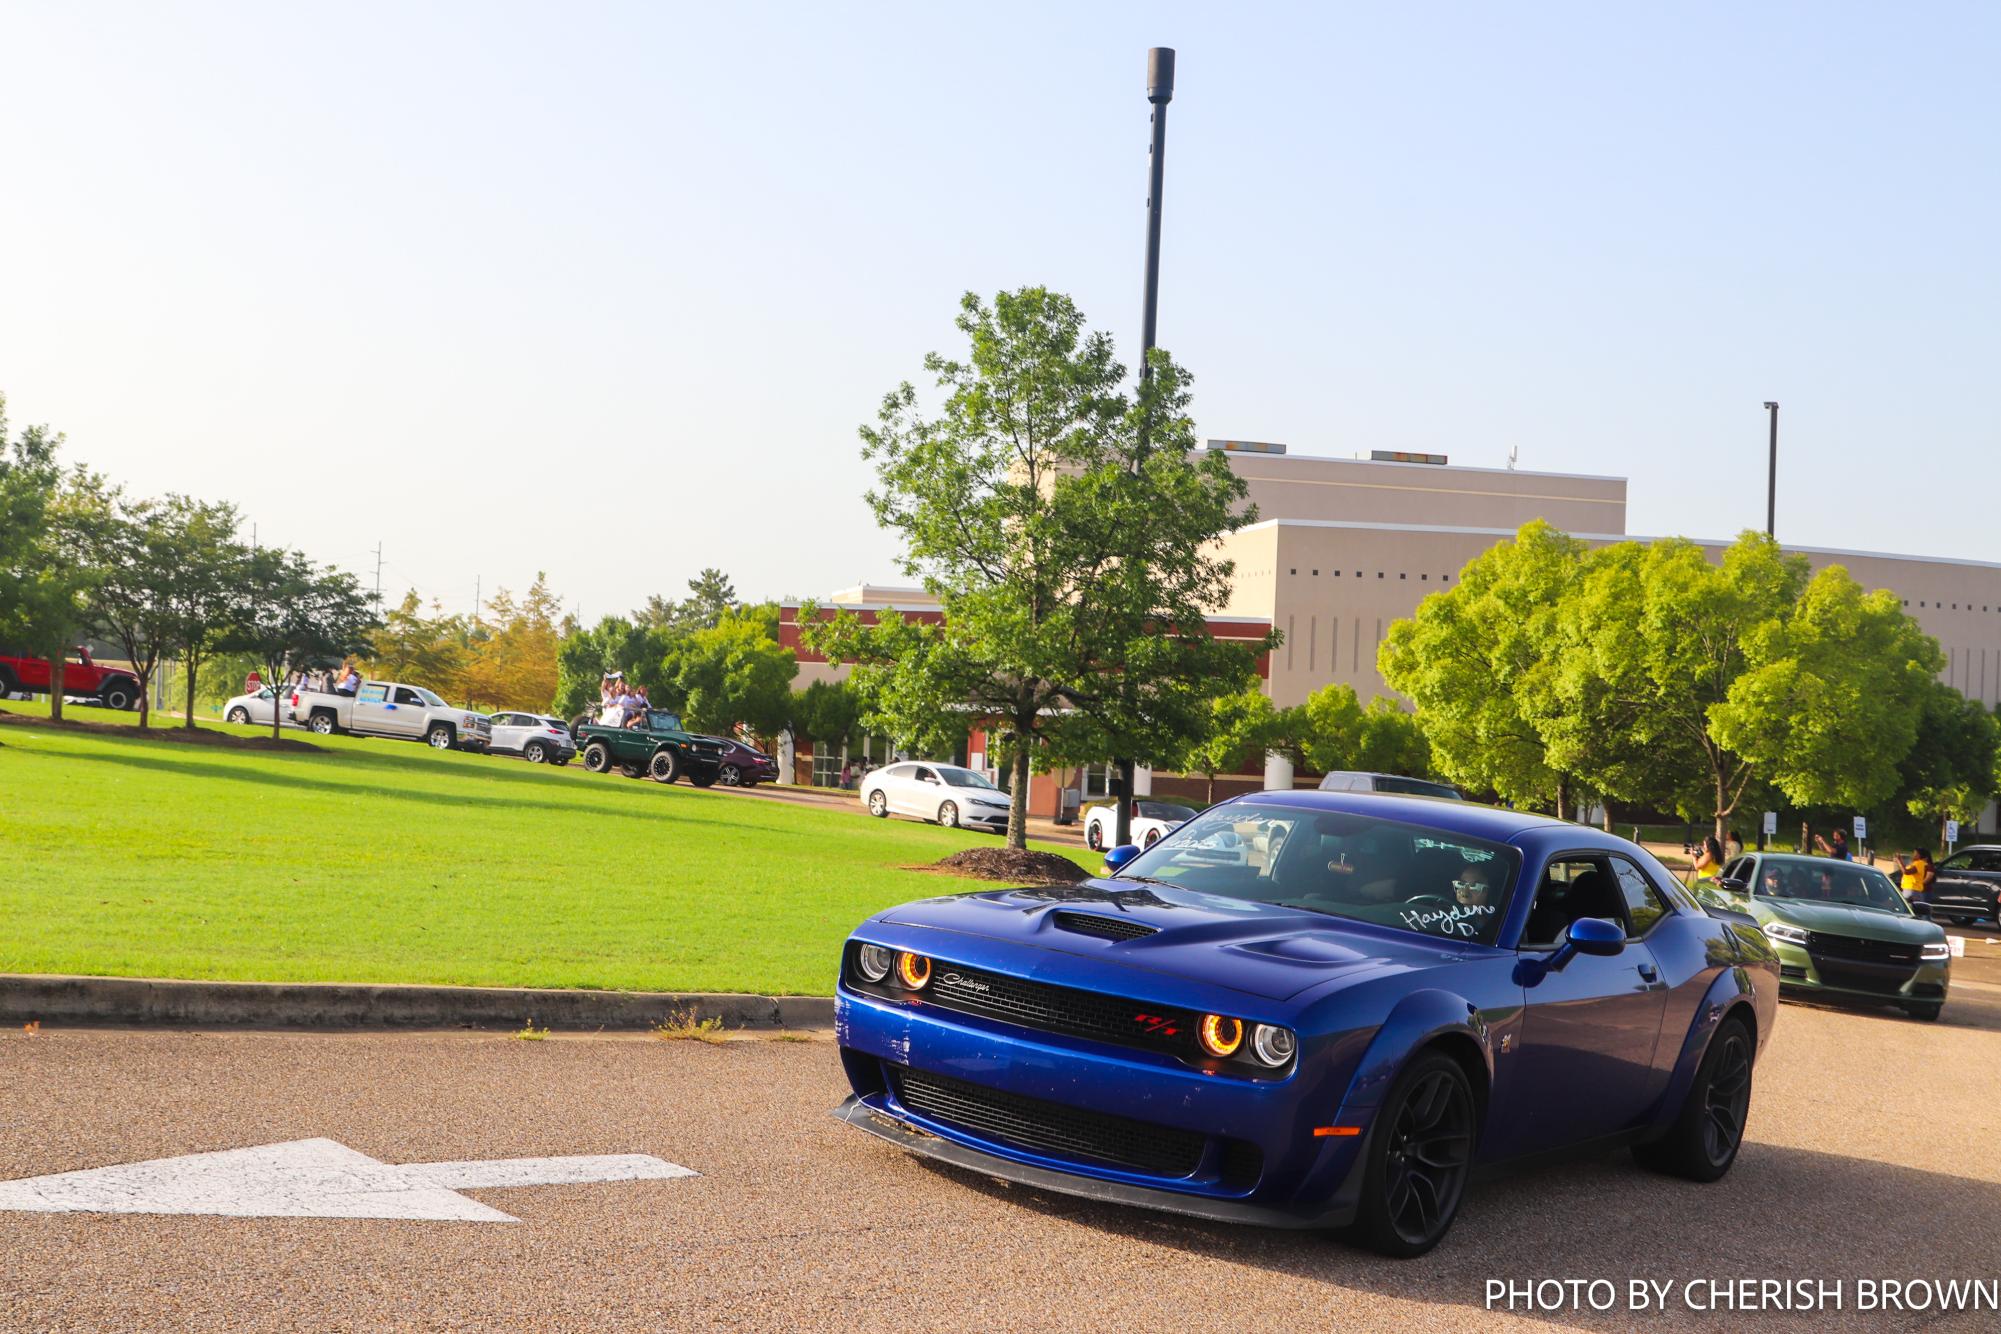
x=390, y=708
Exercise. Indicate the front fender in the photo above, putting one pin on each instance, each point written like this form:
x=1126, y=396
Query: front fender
x=1417, y=1019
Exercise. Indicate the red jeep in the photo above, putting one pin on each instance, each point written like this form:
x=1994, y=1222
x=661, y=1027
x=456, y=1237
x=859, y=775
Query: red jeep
x=113, y=687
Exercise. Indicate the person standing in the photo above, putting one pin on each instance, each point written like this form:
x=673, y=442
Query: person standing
x=1837, y=847
x=1918, y=875
x=1708, y=861
x=1733, y=846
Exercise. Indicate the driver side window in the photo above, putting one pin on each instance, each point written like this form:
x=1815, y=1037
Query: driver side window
x=1573, y=888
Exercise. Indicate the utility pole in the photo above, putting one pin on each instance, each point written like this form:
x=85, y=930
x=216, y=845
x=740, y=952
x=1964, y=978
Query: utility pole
x=1772, y=477
x=1159, y=92
x=378, y=572
x=475, y=598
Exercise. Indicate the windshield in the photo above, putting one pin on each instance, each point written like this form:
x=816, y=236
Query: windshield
x=431, y=699
x=659, y=720
x=1341, y=864
x=1163, y=810
x=1841, y=883
x=965, y=778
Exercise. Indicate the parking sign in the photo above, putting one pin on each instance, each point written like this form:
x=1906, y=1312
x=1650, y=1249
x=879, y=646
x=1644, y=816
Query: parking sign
x=1771, y=824
x=1861, y=827
x=1952, y=831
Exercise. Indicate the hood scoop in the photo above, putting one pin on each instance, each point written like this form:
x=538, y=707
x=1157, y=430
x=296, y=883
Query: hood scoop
x=1105, y=928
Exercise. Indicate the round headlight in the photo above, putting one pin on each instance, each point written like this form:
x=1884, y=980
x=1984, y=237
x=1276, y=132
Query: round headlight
x=913, y=970
x=1221, y=1035
x=874, y=961
x=1273, y=1045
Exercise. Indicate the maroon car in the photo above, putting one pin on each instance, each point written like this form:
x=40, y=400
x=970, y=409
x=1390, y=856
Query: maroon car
x=744, y=766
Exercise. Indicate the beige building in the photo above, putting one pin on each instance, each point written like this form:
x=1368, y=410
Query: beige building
x=1344, y=547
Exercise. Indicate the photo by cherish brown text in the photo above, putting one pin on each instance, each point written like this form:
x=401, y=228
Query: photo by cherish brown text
x=1742, y=1295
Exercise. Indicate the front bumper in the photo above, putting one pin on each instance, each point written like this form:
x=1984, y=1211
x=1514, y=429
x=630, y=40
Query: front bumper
x=1802, y=971
x=1260, y=1161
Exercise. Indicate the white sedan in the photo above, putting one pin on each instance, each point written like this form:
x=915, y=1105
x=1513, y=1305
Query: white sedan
x=250, y=708
x=1152, y=821
x=943, y=792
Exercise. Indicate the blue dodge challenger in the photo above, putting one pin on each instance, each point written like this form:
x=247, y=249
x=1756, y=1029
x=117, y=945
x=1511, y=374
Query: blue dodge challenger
x=1313, y=1009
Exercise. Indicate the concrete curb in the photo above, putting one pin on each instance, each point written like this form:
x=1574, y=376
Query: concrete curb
x=133, y=1000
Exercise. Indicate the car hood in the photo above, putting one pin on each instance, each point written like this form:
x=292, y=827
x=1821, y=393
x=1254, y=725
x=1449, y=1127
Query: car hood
x=1837, y=920
x=1258, y=948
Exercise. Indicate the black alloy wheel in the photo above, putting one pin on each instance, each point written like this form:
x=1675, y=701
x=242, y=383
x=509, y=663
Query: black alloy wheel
x=238, y=715
x=597, y=757
x=1704, y=1139
x=664, y=767
x=1420, y=1154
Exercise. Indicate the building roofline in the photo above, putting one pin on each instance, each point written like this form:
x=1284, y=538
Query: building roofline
x=1609, y=537
x=1428, y=467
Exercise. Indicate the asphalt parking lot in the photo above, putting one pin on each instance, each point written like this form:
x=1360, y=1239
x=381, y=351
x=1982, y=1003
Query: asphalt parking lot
x=1875, y=1151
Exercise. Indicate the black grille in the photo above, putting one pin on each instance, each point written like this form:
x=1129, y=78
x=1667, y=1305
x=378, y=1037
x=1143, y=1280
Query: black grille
x=1105, y=928
x=1048, y=1127
x=1856, y=950
x=1052, y=1009
x=1791, y=973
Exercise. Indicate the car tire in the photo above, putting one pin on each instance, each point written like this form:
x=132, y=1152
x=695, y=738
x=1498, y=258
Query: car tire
x=7, y=686
x=1709, y=1130
x=597, y=757
x=323, y=723
x=1152, y=837
x=1418, y=1156
x=633, y=770
x=664, y=767
x=238, y=715
x=118, y=695
x=1094, y=836
x=535, y=753
x=878, y=805
x=439, y=737
x=701, y=780
x=1928, y=1013
x=948, y=814
x=730, y=776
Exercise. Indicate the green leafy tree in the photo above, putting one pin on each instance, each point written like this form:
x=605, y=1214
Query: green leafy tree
x=1018, y=505
x=1950, y=772
x=138, y=552
x=1337, y=732
x=294, y=612
x=204, y=596
x=433, y=650
x=50, y=526
x=1471, y=656
x=826, y=713
x=614, y=644
x=710, y=595
x=1243, y=725
x=736, y=673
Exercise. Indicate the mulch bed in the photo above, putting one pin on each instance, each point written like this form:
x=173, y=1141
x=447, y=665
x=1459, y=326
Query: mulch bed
x=200, y=736
x=1016, y=866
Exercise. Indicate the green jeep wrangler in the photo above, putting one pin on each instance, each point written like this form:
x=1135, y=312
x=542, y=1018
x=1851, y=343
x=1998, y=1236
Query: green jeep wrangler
x=658, y=748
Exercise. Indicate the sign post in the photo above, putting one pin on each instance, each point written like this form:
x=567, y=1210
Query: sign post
x=1951, y=834
x=1769, y=830
x=1861, y=833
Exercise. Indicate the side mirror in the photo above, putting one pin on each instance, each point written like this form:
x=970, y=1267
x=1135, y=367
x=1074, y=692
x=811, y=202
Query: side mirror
x=1734, y=886
x=1119, y=856
x=1587, y=935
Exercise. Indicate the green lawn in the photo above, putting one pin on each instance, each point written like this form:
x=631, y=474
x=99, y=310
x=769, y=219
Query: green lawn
x=382, y=861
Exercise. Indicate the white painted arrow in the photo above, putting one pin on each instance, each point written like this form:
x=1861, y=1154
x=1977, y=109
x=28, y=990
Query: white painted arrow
x=314, y=1178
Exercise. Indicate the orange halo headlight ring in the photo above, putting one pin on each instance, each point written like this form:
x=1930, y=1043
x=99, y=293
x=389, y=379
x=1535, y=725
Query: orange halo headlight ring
x=913, y=970
x=1220, y=1035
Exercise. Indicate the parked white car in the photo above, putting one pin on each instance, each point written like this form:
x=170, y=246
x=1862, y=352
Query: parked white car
x=946, y=793
x=1152, y=821
x=250, y=708
x=535, y=737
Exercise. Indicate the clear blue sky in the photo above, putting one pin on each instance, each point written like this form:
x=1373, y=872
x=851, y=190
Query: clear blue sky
x=605, y=289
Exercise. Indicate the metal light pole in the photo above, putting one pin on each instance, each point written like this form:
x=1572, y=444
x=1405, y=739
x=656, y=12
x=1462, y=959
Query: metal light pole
x=1772, y=478
x=1159, y=91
